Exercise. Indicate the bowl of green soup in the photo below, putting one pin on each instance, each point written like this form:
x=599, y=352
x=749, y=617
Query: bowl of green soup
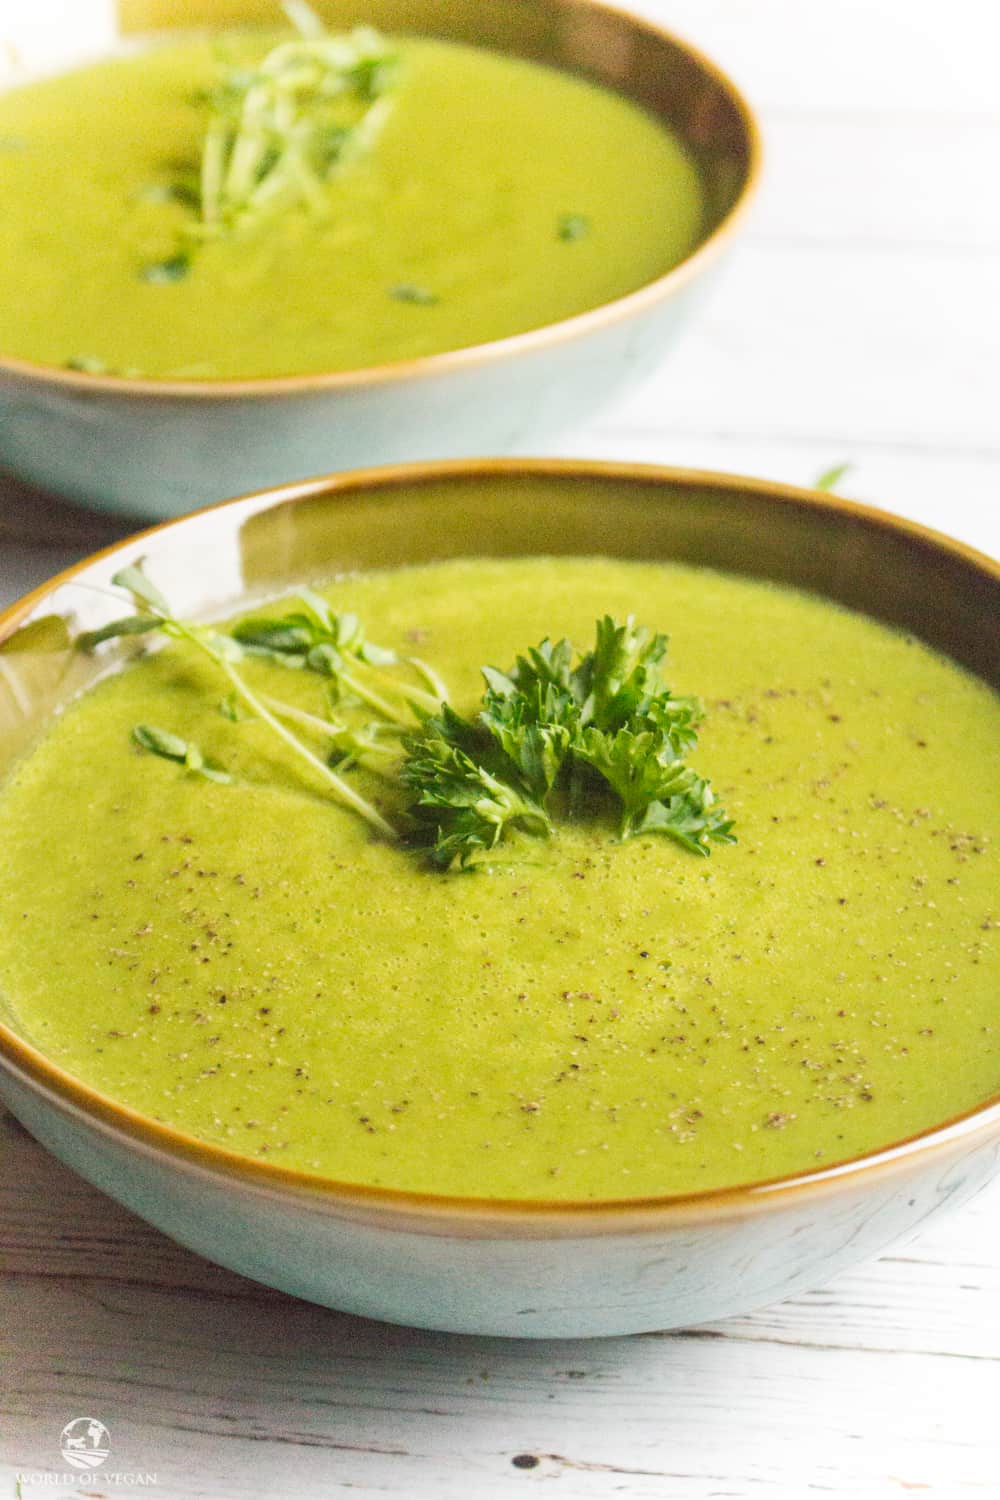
x=524, y=897
x=389, y=231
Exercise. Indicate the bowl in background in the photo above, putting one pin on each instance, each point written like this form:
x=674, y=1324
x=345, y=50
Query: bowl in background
x=531, y=1269
x=161, y=447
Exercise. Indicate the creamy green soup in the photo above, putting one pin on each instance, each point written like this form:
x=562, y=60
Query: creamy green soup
x=499, y=195
x=582, y=1017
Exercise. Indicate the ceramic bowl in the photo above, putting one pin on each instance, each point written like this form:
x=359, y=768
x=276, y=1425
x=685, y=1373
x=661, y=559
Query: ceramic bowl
x=533, y=1269
x=158, y=448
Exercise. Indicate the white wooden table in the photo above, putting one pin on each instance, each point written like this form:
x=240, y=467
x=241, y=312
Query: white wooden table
x=859, y=322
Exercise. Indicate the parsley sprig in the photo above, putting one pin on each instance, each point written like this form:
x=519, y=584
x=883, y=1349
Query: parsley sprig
x=556, y=738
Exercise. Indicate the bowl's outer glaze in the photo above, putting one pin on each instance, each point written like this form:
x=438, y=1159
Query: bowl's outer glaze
x=531, y=1270
x=160, y=454
x=157, y=448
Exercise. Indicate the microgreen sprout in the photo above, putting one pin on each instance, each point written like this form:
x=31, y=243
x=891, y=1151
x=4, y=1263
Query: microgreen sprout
x=171, y=747
x=227, y=654
x=829, y=479
x=276, y=132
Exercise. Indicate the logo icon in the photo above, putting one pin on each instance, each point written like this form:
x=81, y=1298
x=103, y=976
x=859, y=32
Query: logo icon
x=85, y=1443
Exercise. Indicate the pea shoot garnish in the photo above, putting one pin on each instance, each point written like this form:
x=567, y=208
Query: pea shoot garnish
x=87, y=364
x=559, y=737
x=171, y=747
x=830, y=478
x=276, y=132
x=228, y=654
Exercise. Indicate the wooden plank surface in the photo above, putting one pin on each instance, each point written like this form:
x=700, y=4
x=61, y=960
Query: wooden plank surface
x=860, y=322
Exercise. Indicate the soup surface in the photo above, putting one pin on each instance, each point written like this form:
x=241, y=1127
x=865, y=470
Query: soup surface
x=581, y=1018
x=500, y=195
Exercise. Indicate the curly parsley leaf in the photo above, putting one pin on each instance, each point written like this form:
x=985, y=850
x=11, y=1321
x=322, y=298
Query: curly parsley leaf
x=691, y=819
x=622, y=673
x=555, y=737
x=467, y=791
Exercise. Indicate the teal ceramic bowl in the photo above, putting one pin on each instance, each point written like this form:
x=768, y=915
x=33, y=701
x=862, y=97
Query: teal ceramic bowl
x=530, y=1269
x=161, y=447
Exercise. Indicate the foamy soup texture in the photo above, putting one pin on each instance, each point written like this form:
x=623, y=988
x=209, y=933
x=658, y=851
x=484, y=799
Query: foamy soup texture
x=582, y=1018
x=498, y=196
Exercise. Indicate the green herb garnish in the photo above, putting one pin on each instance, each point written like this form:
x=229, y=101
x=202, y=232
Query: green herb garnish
x=174, y=268
x=227, y=653
x=302, y=16
x=830, y=478
x=335, y=646
x=573, y=227
x=556, y=739
x=276, y=132
x=87, y=364
x=182, y=190
x=559, y=737
x=171, y=747
x=418, y=295
x=92, y=364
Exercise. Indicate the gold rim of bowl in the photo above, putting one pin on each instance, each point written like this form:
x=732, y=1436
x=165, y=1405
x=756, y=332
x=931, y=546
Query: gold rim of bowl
x=611, y=1214
x=604, y=315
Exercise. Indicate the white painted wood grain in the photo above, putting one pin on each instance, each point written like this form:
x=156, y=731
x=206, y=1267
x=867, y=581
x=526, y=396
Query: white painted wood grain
x=926, y=185
x=845, y=343
x=50, y=34
x=859, y=321
x=856, y=57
